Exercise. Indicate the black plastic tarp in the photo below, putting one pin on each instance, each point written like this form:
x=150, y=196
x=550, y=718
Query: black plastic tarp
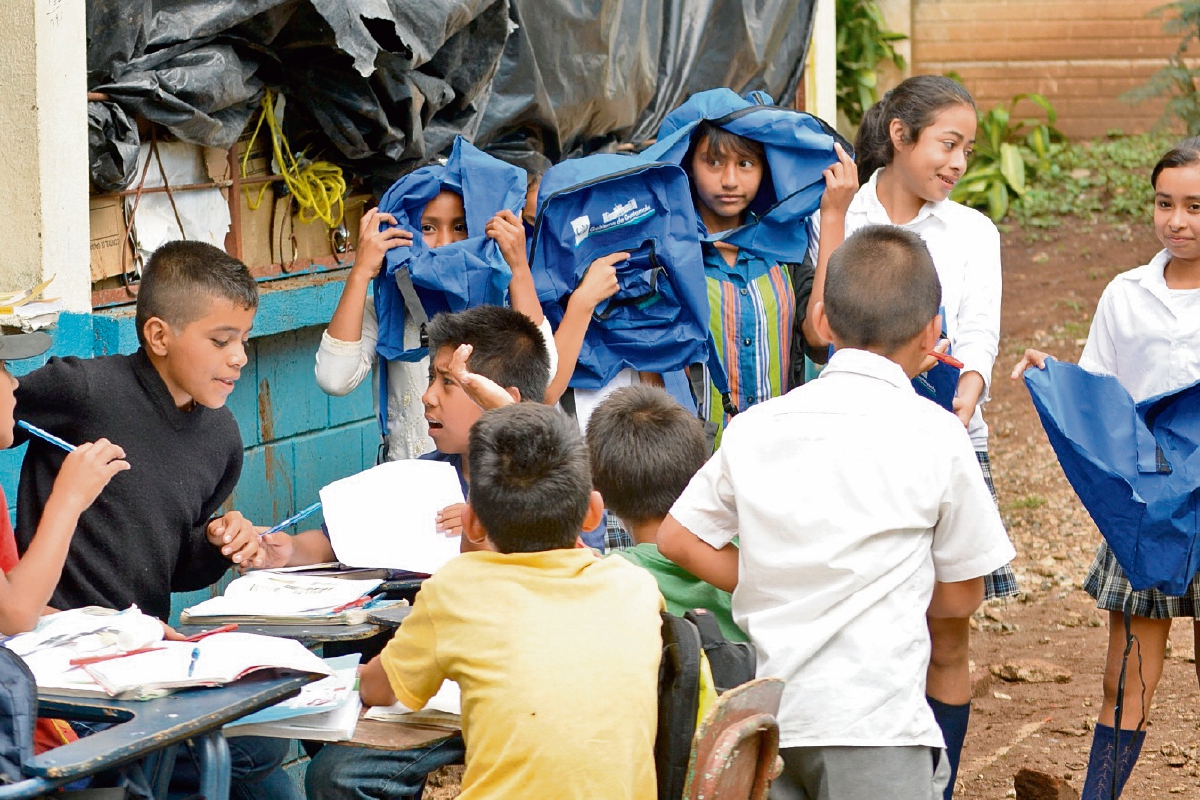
x=381, y=86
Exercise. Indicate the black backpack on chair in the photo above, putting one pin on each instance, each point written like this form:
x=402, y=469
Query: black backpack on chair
x=732, y=664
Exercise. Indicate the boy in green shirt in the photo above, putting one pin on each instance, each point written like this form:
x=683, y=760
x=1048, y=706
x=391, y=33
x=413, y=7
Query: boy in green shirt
x=645, y=447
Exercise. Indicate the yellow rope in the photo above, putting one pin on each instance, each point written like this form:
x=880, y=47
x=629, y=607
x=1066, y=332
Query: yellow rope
x=317, y=186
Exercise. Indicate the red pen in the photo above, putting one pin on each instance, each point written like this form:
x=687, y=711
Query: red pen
x=84, y=661
x=195, y=637
x=362, y=601
x=947, y=359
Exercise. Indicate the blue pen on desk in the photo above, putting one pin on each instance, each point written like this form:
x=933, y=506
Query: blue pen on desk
x=192, y=663
x=47, y=437
x=293, y=519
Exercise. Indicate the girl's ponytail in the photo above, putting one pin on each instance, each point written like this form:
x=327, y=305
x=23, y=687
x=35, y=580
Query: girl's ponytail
x=916, y=101
x=873, y=145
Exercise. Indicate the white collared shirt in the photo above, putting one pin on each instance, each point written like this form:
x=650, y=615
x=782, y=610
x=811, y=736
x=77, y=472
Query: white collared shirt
x=851, y=496
x=1145, y=334
x=965, y=246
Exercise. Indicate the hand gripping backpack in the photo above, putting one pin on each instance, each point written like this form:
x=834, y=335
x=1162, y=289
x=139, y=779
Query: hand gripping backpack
x=1135, y=467
x=600, y=204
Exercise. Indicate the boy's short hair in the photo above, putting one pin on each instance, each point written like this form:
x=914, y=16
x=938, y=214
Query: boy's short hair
x=645, y=448
x=881, y=289
x=182, y=277
x=530, y=480
x=506, y=347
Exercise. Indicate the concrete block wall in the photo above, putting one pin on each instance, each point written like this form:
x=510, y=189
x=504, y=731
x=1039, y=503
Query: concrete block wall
x=297, y=438
x=1081, y=54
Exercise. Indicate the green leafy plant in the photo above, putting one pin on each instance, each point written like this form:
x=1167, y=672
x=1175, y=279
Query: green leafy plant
x=863, y=43
x=1004, y=149
x=1176, y=81
x=1103, y=179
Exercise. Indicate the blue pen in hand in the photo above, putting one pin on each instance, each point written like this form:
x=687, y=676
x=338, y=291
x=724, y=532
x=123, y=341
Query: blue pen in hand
x=195, y=658
x=46, y=437
x=292, y=520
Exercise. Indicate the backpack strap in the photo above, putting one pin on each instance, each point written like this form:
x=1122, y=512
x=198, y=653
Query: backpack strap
x=678, y=704
x=414, y=309
x=716, y=373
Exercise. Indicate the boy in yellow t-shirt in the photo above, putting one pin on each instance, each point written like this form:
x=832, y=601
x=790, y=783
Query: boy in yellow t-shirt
x=504, y=623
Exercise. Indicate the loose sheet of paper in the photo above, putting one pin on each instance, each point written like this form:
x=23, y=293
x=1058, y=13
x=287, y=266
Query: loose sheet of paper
x=387, y=516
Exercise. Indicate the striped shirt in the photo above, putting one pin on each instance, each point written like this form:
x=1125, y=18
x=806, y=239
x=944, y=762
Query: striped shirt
x=752, y=308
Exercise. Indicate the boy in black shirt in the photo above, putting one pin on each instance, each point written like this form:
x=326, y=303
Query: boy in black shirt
x=152, y=531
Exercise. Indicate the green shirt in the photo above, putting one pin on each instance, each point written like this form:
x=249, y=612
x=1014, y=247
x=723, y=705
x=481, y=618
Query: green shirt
x=684, y=591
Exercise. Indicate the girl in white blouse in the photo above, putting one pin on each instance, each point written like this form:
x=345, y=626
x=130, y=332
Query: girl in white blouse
x=1146, y=333
x=912, y=148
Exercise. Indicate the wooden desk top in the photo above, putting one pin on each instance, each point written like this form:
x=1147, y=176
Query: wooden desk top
x=378, y=735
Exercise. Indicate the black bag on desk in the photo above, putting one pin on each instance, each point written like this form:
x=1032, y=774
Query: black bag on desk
x=18, y=715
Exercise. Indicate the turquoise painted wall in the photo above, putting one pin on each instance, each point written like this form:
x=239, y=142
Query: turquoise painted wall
x=297, y=438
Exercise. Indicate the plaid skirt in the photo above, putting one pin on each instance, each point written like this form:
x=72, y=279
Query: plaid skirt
x=1002, y=582
x=1107, y=583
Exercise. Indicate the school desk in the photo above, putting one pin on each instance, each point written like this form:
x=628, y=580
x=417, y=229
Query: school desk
x=151, y=728
x=377, y=735
x=307, y=635
x=389, y=617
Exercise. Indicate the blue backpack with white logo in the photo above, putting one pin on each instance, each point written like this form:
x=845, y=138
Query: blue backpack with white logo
x=600, y=204
x=421, y=281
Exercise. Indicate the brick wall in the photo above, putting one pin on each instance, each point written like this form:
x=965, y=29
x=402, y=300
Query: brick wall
x=1081, y=54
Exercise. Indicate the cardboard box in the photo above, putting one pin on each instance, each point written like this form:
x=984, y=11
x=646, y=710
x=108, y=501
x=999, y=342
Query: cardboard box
x=282, y=238
x=110, y=251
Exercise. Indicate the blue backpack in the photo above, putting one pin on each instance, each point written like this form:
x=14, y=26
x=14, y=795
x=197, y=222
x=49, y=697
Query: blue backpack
x=1135, y=467
x=419, y=281
x=600, y=204
x=799, y=147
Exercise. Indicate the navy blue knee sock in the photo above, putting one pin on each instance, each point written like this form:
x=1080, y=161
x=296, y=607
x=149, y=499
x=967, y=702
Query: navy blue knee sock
x=1098, y=783
x=953, y=722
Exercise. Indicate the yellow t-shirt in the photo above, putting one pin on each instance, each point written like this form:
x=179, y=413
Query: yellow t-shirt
x=556, y=654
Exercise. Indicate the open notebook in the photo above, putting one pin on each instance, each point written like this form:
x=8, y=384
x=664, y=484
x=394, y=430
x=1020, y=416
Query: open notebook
x=282, y=599
x=213, y=661
x=444, y=710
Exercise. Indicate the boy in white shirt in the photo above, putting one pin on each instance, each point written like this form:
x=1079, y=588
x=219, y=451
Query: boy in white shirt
x=860, y=509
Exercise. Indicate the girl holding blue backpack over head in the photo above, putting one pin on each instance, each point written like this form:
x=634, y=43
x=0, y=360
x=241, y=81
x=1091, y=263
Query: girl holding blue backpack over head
x=757, y=173
x=471, y=251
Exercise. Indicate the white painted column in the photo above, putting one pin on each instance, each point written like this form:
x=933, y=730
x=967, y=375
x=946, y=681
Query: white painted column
x=820, y=69
x=43, y=148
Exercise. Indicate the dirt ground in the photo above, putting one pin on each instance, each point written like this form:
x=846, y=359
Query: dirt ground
x=1051, y=284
